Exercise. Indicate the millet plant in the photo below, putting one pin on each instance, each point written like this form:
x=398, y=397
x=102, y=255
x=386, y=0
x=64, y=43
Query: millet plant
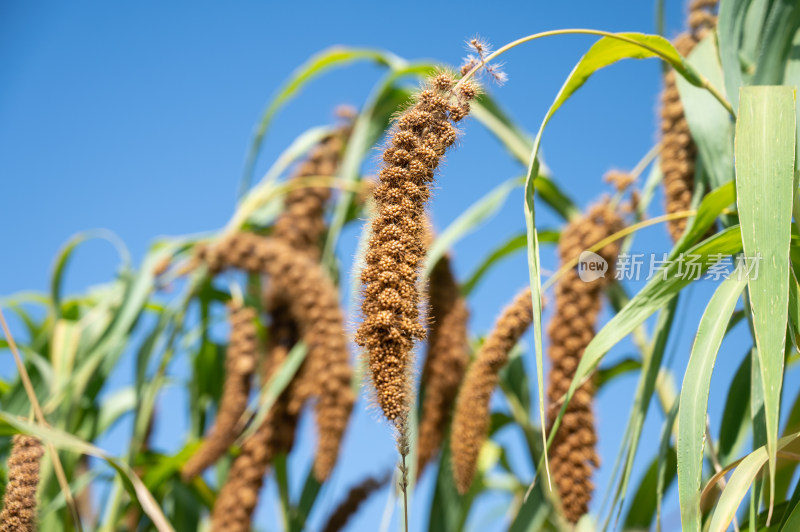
x=726, y=156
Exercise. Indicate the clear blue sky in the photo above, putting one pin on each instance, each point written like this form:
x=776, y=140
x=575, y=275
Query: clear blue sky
x=135, y=117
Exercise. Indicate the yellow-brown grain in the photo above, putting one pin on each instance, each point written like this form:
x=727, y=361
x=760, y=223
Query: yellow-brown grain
x=396, y=249
x=577, y=303
x=472, y=416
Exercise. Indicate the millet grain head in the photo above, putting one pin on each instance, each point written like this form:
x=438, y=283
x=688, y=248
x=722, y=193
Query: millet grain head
x=396, y=249
x=238, y=497
x=241, y=360
x=350, y=505
x=446, y=359
x=19, y=502
x=471, y=418
x=314, y=307
x=301, y=226
x=577, y=304
x=678, y=151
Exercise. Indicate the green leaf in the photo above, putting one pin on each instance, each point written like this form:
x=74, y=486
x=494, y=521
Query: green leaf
x=332, y=57
x=506, y=249
x=730, y=27
x=780, y=26
x=694, y=396
x=644, y=505
x=624, y=366
x=736, y=416
x=651, y=367
x=765, y=137
x=65, y=255
x=740, y=482
x=468, y=221
x=665, y=451
x=709, y=122
x=486, y=111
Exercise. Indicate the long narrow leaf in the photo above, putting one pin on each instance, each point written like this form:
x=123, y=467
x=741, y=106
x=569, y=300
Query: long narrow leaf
x=765, y=137
x=694, y=396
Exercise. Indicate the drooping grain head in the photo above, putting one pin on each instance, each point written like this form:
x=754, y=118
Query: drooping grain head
x=19, y=503
x=351, y=503
x=678, y=151
x=446, y=359
x=301, y=225
x=241, y=360
x=314, y=306
x=572, y=454
x=472, y=415
x=396, y=249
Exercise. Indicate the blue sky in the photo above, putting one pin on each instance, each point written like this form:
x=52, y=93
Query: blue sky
x=135, y=117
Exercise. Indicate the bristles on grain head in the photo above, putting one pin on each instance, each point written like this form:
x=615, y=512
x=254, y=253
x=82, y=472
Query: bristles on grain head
x=482, y=50
x=472, y=415
x=355, y=497
x=446, y=359
x=396, y=249
x=240, y=364
x=573, y=454
x=314, y=306
x=19, y=503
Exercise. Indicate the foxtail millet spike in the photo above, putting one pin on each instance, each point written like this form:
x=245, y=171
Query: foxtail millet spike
x=678, y=151
x=314, y=307
x=301, y=225
x=396, y=249
x=233, y=510
x=351, y=503
x=240, y=364
x=19, y=502
x=577, y=304
x=446, y=359
x=471, y=418
x=302, y=222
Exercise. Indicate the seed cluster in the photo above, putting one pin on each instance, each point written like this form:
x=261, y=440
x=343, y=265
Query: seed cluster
x=573, y=454
x=349, y=506
x=446, y=360
x=19, y=503
x=240, y=364
x=237, y=500
x=472, y=416
x=678, y=152
x=301, y=225
x=396, y=248
x=314, y=306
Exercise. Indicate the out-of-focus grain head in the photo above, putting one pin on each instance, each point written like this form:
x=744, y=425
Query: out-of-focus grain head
x=446, y=359
x=314, y=306
x=472, y=415
x=572, y=454
x=19, y=502
x=351, y=503
x=678, y=151
x=241, y=360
